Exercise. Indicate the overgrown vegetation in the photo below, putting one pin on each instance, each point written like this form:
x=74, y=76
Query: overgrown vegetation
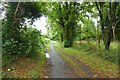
x=91, y=48
x=25, y=67
x=98, y=22
x=21, y=41
x=101, y=67
x=90, y=27
x=95, y=30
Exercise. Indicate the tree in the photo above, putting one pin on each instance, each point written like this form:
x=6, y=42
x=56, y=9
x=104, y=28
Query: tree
x=16, y=14
x=65, y=14
x=108, y=16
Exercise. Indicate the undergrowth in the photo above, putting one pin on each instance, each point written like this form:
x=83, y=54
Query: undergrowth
x=97, y=63
x=91, y=48
x=25, y=67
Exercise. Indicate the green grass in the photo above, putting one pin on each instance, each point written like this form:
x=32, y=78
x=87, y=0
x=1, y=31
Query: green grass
x=48, y=46
x=37, y=71
x=93, y=60
x=25, y=67
x=34, y=74
x=91, y=48
x=7, y=59
x=72, y=64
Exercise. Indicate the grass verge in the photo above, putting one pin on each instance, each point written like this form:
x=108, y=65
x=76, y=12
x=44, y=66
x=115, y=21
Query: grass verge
x=72, y=64
x=99, y=65
x=25, y=67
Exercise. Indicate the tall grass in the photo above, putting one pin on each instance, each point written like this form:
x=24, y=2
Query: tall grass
x=91, y=48
x=100, y=62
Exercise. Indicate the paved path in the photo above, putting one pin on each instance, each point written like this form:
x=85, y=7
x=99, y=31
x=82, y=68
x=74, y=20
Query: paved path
x=58, y=68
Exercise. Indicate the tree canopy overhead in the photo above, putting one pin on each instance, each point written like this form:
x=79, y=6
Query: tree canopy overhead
x=65, y=15
x=69, y=21
x=14, y=27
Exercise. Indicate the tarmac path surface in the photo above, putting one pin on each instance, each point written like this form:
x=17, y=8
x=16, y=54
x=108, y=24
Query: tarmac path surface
x=58, y=68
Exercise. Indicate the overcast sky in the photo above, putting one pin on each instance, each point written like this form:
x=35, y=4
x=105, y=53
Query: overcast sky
x=41, y=24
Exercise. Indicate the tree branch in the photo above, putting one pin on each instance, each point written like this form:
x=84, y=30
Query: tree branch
x=16, y=9
x=100, y=13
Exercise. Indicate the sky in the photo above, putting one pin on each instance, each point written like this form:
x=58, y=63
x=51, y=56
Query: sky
x=41, y=24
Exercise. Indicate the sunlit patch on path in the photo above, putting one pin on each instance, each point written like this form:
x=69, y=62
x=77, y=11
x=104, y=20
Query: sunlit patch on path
x=47, y=55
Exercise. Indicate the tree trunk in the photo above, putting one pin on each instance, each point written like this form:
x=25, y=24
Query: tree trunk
x=109, y=30
x=107, y=37
x=97, y=38
x=66, y=39
x=114, y=34
x=61, y=37
x=105, y=34
x=107, y=45
x=69, y=35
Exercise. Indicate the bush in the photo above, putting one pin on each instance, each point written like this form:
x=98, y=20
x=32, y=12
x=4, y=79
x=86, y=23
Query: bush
x=29, y=43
